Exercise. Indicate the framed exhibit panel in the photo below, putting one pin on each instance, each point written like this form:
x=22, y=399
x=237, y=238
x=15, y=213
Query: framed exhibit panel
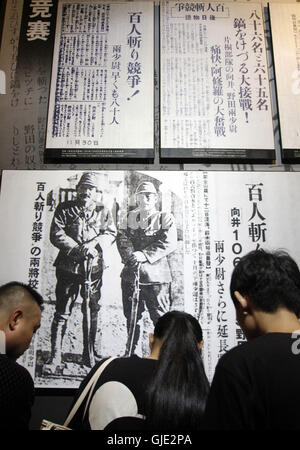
x=210, y=220
x=25, y=59
x=285, y=27
x=215, y=99
x=102, y=84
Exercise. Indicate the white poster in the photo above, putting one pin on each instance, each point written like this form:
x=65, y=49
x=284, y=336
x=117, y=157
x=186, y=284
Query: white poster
x=102, y=80
x=285, y=27
x=198, y=225
x=215, y=99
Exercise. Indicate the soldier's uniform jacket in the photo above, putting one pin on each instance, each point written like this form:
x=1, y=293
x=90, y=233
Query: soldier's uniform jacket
x=73, y=225
x=156, y=237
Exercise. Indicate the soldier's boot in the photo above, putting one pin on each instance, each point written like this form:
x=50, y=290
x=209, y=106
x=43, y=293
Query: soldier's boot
x=54, y=365
x=93, y=333
x=88, y=324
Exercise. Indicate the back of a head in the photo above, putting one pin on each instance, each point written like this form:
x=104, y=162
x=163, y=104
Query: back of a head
x=177, y=395
x=173, y=320
x=10, y=296
x=270, y=279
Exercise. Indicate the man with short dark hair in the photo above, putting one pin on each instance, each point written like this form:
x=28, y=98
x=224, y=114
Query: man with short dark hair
x=256, y=384
x=20, y=316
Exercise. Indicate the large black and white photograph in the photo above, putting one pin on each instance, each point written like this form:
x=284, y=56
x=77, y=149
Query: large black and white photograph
x=105, y=248
x=112, y=251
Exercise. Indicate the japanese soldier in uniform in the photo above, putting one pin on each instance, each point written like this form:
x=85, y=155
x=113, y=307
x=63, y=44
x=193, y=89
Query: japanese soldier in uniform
x=80, y=229
x=144, y=242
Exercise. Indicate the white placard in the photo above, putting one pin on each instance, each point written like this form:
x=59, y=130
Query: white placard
x=102, y=86
x=214, y=80
x=285, y=27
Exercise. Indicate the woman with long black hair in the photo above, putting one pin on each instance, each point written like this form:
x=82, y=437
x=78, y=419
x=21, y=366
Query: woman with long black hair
x=166, y=391
x=177, y=393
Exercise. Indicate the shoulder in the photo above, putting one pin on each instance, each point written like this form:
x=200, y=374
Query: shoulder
x=16, y=395
x=230, y=358
x=242, y=351
x=9, y=365
x=130, y=363
x=257, y=351
x=14, y=377
x=120, y=362
x=118, y=395
x=127, y=370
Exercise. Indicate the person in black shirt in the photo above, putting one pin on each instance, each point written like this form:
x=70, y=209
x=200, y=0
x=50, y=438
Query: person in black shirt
x=256, y=384
x=166, y=391
x=20, y=316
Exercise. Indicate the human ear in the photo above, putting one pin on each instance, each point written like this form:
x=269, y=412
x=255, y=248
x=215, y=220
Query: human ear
x=243, y=301
x=200, y=345
x=14, y=319
x=151, y=340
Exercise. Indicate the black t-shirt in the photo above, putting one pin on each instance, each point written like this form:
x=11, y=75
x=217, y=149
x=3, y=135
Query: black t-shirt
x=118, y=400
x=16, y=395
x=256, y=386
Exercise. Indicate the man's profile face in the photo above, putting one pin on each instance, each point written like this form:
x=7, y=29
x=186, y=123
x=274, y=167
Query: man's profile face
x=26, y=320
x=30, y=326
x=86, y=194
x=146, y=200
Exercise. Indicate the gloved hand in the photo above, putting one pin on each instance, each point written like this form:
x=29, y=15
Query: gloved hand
x=88, y=250
x=136, y=258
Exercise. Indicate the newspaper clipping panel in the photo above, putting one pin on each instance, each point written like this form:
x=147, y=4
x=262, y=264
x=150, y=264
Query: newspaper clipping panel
x=23, y=108
x=102, y=79
x=203, y=229
x=215, y=98
x=285, y=25
x=26, y=62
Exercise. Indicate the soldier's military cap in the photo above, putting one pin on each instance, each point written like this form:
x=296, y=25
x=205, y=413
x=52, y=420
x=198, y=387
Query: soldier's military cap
x=146, y=186
x=89, y=179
